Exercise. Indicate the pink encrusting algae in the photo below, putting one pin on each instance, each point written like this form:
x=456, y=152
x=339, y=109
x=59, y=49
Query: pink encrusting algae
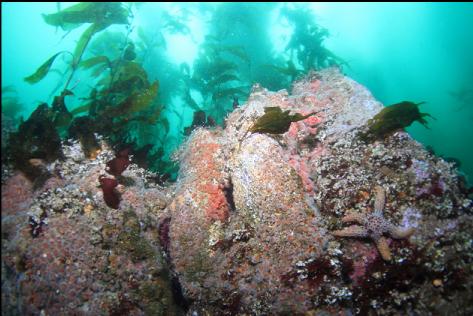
x=254, y=224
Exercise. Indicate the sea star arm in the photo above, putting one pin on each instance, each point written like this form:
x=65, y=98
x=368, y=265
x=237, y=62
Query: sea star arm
x=399, y=233
x=352, y=231
x=353, y=217
x=380, y=198
x=383, y=248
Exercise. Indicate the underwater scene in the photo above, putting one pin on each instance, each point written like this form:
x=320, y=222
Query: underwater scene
x=237, y=158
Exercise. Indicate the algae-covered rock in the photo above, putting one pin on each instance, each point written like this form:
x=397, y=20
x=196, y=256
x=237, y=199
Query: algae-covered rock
x=64, y=252
x=275, y=250
x=250, y=227
x=130, y=241
x=82, y=128
x=35, y=144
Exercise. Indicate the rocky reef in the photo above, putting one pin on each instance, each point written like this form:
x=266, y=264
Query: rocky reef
x=65, y=252
x=252, y=221
x=253, y=225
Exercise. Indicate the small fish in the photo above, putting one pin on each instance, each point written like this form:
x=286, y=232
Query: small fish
x=392, y=118
x=211, y=121
x=462, y=95
x=235, y=102
x=275, y=121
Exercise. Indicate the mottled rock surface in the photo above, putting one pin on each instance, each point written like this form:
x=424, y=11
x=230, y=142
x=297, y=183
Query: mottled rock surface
x=248, y=227
x=251, y=221
x=65, y=252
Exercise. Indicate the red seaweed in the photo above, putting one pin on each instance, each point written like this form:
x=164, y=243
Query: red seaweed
x=117, y=165
x=110, y=195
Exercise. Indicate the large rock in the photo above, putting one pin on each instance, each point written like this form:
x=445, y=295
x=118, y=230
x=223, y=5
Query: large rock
x=65, y=252
x=255, y=224
x=251, y=220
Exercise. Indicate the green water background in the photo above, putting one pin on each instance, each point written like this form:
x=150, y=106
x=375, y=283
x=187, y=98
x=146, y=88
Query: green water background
x=400, y=51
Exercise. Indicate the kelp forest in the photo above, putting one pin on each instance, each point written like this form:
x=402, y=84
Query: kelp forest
x=120, y=82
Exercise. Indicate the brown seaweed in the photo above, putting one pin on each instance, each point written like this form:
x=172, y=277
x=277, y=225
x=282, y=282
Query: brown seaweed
x=42, y=71
x=35, y=144
x=88, y=12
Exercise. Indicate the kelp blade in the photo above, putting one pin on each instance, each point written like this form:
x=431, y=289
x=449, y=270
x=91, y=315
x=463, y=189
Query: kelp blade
x=94, y=61
x=88, y=12
x=142, y=100
x=85, y=39
x=42, y=71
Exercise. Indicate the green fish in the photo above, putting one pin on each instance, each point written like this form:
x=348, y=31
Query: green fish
x=393, y=118
x=275, y=121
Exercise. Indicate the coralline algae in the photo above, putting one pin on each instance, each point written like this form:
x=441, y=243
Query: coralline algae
x=247, y=228
x=292, y=190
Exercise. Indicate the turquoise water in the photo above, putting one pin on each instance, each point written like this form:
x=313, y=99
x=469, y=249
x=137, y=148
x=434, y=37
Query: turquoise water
x=214, y=53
